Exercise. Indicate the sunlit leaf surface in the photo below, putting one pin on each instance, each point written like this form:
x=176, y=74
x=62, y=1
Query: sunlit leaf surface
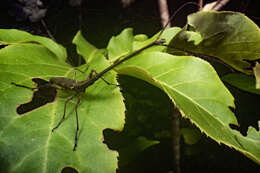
x=27, y=143
x=194, y=86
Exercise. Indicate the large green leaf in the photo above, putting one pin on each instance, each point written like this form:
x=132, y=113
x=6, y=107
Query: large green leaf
x=27, y=143
x=195, y=88
x=228, y=36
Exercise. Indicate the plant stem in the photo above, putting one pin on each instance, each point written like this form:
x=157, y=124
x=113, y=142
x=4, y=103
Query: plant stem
x=175, y=114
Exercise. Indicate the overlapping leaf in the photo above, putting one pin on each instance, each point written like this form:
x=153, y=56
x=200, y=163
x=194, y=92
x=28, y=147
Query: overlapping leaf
x=228, y=36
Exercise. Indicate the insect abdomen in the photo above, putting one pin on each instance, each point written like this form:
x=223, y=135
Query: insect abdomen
x=65, y=83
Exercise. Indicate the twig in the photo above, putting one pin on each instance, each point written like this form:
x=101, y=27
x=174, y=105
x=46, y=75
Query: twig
x=219, y=5
x=164, y=13
x=200, y=5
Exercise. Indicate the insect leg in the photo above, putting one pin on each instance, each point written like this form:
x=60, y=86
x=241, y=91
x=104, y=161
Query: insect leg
x=23, y=86
x=77, y=121
x=64, y=113
x=108, y=83
x=83, y=70
x=74, y=72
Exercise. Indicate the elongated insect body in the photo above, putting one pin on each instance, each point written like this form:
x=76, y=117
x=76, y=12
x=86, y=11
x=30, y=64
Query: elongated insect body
x=70, y=84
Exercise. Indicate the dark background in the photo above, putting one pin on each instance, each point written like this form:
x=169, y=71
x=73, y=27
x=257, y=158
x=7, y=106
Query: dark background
x=101, y=19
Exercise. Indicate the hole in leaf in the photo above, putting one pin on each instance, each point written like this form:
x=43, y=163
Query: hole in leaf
x=44, y=94
x=111, y=138
x=2, y=46
x=69, y=170
x=238, y=128
x=232, y=109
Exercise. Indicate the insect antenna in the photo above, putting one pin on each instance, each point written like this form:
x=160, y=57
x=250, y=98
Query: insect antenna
x=23, y=86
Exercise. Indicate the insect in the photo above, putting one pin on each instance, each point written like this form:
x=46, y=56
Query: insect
x=79, y=87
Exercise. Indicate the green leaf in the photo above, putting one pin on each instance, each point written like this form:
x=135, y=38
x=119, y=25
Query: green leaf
x=228, y=36
x=125, y=40
x=84, y=48
x=27, y=143
x=140, y=37
x=13, y=36
x=241, y=81
x=195, y=88
x=197, y=91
